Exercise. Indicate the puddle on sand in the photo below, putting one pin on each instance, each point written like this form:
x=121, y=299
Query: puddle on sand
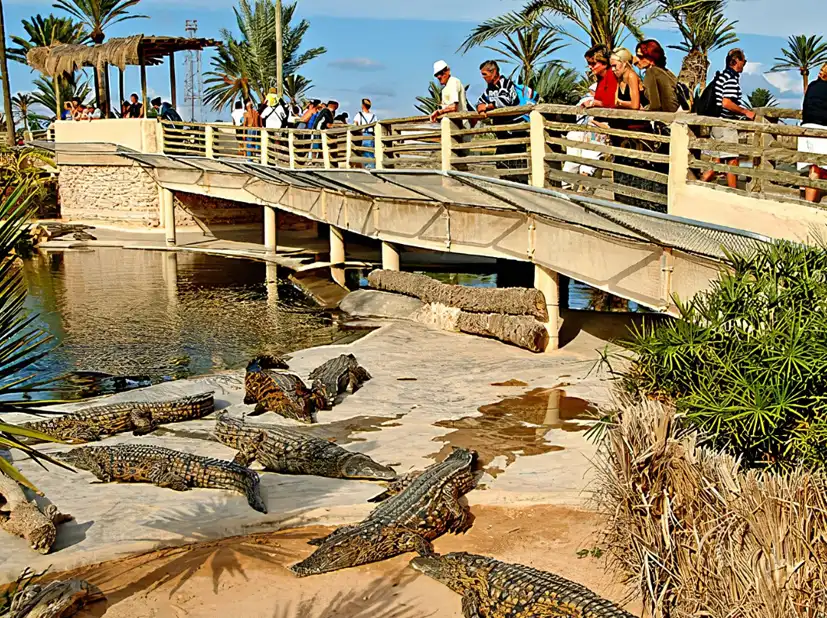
x=341, y=432
x=516, y=426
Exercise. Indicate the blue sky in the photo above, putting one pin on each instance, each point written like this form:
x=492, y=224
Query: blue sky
x=385, y=49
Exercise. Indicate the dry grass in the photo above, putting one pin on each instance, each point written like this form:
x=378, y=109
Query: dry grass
x=699, y=536
x=60, y=59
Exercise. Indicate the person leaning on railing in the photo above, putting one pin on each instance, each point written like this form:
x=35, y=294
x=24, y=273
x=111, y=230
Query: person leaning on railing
x=659, y=83
x=814, y=116
x=500, y=92
x=728, y=98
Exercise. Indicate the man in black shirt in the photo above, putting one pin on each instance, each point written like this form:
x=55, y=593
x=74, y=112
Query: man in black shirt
x=501, y=92
x=136, y=108
x=814, y=116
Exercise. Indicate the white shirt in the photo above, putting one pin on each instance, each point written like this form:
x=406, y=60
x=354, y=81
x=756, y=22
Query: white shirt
x=274, y=118
x=364, y=118
x=454, y=92
x=238, y=117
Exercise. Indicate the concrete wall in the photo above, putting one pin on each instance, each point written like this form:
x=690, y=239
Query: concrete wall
x=136, y=134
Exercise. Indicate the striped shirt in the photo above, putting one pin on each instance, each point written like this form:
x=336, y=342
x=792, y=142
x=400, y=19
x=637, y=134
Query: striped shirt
x=502, y=93
x=728, y=86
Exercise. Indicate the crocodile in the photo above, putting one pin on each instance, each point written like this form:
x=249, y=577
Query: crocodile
x=338, y=375
x=139, y=463
x=288, y=451
x=494, y=589
x=139, y=417
x=281, y=392
x=426, y=509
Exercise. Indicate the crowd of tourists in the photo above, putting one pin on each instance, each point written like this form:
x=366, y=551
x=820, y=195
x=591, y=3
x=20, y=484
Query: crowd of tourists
x=76, y=111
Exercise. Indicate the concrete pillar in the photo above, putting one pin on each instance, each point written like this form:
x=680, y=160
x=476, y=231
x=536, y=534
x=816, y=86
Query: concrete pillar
x=169, y=270
x=548, y=283
x=168, y=206
x=271, y=232
x=337, y=255
x=390, y=256
x=538, y=149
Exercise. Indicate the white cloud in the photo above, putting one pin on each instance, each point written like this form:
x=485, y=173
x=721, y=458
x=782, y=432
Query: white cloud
x=786, y=81
x=356, y=64
x=754, y=68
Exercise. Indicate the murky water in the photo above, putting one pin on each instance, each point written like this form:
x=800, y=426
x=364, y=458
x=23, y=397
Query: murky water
x=164, y=315
x=516, y=426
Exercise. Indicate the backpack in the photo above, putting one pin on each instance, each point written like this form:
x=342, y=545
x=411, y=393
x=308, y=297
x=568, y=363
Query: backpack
x=707, y=103
x=684, y=96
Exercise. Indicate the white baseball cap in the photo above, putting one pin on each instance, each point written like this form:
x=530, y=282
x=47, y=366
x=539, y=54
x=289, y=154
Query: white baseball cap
x=440, y=66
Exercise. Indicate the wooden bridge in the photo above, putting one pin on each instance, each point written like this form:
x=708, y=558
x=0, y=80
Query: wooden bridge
x=640, y=227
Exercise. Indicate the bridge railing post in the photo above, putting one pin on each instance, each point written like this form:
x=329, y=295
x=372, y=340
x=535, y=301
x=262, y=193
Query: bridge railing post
x=446, y=140
x=678, y=164
x=265, y=147
x=538, y=149
x=348, y=147
x=209, y=141
x=291, y=149
x=379, y=146
x=326, y=150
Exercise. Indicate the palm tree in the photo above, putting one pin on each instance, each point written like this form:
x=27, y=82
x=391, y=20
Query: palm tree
x=97, y=15
x=296, y=88
x=802, y=54
x=246, y=66
x=529, y=49
x=44, y=92
x=43, y=32
x=427, y=105
x=22, y=106
x=704, y=29
x=4, y=67
x=560, y=85
x=761, y=97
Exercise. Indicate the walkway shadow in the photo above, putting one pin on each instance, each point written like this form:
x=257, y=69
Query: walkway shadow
x=594, y=330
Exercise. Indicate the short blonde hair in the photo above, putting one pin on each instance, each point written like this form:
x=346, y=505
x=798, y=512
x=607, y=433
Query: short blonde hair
x=822, y=74
x=622, y=55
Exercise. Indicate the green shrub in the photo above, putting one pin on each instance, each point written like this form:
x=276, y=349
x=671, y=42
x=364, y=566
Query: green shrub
x=747, y=363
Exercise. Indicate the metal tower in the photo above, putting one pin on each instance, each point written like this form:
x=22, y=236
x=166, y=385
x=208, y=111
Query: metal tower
x=194, y=83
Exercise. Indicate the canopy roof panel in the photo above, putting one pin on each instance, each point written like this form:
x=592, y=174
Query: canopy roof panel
x=121, y=52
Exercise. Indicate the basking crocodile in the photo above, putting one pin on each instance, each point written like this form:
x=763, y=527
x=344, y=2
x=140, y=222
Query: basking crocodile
x=284, y=450
x=139, y=417
x=426, y=509
x=338, y=375
x=494, y=589
x=135, y=463
x=281, y=392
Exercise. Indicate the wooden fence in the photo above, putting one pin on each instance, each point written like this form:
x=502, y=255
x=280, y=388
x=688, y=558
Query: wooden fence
x=619, y=154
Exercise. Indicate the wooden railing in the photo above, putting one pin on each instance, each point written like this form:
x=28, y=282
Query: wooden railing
x=619, y=154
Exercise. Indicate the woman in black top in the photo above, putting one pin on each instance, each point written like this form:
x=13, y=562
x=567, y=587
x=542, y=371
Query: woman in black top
x=814, y=115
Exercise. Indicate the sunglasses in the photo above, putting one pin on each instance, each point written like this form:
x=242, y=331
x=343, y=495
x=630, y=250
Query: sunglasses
x=441, y=73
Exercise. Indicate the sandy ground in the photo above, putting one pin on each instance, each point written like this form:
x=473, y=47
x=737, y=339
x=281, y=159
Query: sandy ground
x=247, y=576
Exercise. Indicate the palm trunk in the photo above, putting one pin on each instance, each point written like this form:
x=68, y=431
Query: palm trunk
x=4, y=67
x=806, y=77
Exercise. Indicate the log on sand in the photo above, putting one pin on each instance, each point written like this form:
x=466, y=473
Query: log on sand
x=53, y=600
x=22, y=518
x=510, y=301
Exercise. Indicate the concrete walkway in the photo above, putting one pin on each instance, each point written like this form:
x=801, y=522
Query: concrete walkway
x=425, y=395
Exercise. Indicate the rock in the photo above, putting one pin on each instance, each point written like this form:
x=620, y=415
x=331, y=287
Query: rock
x=376, y=304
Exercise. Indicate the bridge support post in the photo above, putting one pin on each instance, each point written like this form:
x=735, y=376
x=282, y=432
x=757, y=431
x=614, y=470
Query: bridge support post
x=548, y=282
x=538, y=149
x=271, y=229
x=390, y=256
x=168, y=219
x=337, y=255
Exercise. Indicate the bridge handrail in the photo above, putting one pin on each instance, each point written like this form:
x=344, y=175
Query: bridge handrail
x=629, y=154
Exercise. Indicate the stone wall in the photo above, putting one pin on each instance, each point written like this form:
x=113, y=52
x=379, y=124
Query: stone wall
x=110, y=193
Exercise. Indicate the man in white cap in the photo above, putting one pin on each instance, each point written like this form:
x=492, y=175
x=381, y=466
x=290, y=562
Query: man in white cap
x=453, y=92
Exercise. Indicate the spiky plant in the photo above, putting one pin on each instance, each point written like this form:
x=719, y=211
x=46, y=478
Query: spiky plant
x=296, y=88
x=761, y=97
x=746, y=362
x=245, y=67
x=802, y=54
x=560, y=85
x=97, y=15
x=22, y=104
x=428, y=104
x=44, y=92
x=22, y=342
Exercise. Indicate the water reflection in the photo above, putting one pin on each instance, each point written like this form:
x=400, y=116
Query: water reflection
x=165, y=314
x=516, y=426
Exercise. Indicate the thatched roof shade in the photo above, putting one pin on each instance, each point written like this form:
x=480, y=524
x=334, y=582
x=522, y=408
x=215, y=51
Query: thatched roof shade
x=60, y=59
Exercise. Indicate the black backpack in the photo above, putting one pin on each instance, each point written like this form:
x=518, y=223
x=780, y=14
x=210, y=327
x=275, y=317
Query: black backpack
x=684, y=96
x=707, y=103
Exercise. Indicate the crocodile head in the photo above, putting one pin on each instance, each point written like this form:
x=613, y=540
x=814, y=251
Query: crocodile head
x=346, y=550
x=359, y=466
x=456, y=570
x=83, y=458
x=321, y=398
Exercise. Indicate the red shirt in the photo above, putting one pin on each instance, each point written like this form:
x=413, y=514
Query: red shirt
x=606, y=89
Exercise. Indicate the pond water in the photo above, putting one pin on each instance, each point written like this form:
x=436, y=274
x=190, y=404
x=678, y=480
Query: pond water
x=164, y=315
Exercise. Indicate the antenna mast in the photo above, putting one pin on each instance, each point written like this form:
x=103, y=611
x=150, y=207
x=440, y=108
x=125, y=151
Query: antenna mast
x=193, y=84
